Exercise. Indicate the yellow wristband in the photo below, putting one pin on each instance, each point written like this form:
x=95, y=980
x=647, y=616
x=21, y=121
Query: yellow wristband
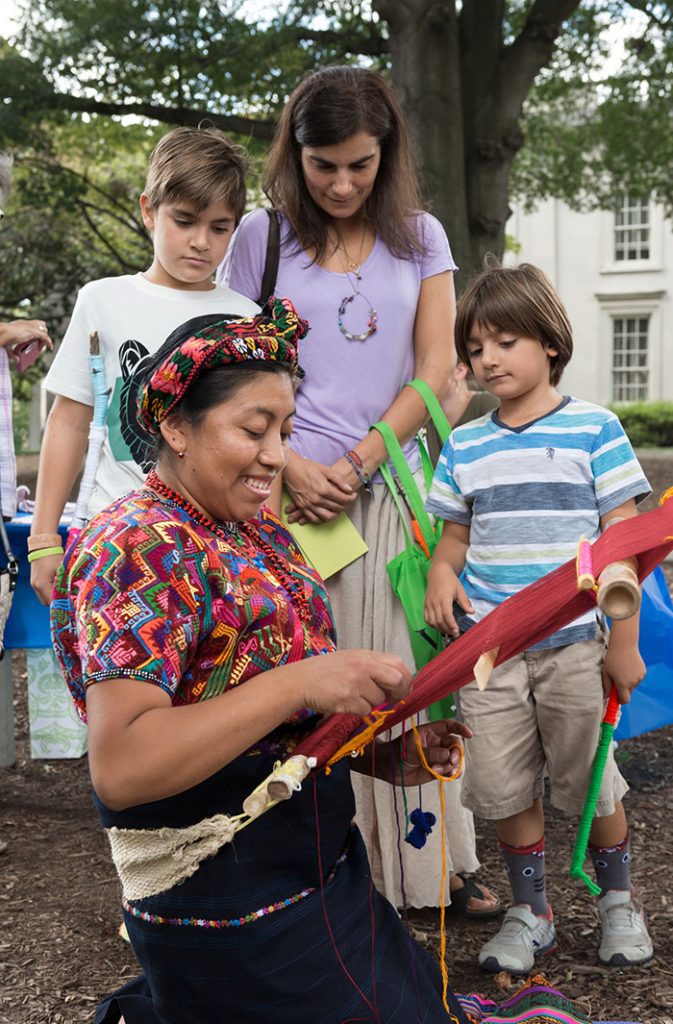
x=44, y=553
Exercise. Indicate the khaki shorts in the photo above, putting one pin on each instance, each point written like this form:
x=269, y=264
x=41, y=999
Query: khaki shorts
x=538, y=717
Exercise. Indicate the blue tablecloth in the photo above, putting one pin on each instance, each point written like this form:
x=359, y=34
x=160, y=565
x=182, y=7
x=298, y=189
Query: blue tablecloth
x=28, y=622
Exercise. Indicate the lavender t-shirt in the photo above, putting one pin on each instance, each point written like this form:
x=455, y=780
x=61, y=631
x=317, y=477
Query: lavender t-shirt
x=348, y=384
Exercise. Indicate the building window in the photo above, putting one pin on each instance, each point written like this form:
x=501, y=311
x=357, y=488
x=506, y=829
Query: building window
x=632, y=229
x=630, y=355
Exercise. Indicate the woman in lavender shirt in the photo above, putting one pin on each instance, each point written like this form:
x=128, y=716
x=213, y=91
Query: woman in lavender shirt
x=373, y=275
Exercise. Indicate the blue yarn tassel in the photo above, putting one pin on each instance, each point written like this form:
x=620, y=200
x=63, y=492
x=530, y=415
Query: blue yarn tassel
x=422, y=822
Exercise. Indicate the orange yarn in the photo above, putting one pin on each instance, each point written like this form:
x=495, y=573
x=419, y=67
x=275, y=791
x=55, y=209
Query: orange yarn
x=374, y=723
x=442, y=815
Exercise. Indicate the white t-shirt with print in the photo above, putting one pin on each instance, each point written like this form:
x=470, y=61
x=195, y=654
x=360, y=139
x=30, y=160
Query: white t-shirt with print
x=133, y=318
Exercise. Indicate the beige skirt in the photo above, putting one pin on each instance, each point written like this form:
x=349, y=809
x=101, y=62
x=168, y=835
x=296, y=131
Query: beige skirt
x=368, y=615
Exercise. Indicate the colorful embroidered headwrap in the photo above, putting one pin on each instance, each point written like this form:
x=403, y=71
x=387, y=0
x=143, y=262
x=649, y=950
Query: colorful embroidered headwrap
x=272, y=334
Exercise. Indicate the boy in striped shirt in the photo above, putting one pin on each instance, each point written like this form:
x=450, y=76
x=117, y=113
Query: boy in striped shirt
x=517, y=488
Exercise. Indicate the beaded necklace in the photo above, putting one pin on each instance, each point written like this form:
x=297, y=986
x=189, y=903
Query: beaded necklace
x=372, y=315
x=355, y=267
x=275, y=563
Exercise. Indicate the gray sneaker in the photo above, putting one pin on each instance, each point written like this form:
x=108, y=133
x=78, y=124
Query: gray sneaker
x=522, y=937
x=625, y=941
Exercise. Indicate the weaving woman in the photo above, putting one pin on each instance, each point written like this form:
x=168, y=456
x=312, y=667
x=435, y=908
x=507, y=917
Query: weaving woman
x=200, y=648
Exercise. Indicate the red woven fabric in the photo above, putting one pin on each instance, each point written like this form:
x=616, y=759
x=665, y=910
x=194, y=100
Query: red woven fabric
x=517, y=624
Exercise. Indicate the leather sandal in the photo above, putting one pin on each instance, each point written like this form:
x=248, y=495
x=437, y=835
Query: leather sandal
x=460, y=898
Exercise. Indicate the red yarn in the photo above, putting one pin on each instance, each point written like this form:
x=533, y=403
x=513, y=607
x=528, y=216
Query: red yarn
x=517, y=624
x=372, y=1006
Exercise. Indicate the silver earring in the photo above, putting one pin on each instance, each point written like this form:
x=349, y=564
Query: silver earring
x=181, y=455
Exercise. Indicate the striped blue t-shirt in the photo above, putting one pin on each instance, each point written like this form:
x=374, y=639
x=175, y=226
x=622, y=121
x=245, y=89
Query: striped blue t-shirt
x=528, y=494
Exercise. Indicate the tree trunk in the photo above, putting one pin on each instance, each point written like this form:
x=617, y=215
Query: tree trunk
x=424, y=48
x=463, y=91
x=492, y=136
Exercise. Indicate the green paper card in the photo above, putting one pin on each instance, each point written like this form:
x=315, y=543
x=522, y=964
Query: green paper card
x=327, y=547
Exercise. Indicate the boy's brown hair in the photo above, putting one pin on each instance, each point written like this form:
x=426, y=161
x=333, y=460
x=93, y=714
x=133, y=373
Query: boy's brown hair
x=198, y=165
x=520, y=300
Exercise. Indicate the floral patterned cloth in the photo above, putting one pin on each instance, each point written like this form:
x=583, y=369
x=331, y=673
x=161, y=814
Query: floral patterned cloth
x=149, y=593
x=194, y=348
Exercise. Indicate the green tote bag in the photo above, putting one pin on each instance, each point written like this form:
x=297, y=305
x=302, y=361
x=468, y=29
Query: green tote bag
x=408, y=571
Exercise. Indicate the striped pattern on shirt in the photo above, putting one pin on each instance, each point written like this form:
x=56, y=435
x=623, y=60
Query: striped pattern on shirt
x=528, y=494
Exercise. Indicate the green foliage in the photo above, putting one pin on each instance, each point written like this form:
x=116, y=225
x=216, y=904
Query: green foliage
x=592, y=134
x=72, y=216
x=75, y=67
x=512, y=244
x=87, y=86
x=198, y=55
x=647, y=424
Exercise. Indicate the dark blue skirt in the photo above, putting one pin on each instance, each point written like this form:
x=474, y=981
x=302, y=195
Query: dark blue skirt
x=336, y=955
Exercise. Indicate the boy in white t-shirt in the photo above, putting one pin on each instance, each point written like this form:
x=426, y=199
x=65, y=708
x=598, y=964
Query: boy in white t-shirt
x=193, y=199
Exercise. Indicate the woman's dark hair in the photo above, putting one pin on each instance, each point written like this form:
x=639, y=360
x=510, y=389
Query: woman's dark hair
x=212, y=387
x=327, y=108
x=220, y=385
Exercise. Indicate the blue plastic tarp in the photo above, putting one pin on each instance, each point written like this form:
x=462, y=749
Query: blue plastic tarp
x=28, y=622
x=651, y=704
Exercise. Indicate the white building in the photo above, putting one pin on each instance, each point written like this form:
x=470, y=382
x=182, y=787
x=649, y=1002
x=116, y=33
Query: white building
x=614, y=273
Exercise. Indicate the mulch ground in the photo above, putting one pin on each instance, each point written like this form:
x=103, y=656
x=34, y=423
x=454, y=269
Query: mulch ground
x=59, y=905
x=643, y=994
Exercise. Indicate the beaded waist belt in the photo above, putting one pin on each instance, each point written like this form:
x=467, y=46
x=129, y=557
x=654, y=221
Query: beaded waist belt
x=231, y=922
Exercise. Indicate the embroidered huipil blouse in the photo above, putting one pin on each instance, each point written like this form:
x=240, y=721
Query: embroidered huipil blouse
x=150, y=593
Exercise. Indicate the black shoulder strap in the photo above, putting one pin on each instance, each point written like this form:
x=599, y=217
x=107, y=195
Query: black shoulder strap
x=272, y=257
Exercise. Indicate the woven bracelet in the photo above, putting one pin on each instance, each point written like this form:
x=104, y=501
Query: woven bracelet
x=38, y=541
x=44, y=553
x=360, y=473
